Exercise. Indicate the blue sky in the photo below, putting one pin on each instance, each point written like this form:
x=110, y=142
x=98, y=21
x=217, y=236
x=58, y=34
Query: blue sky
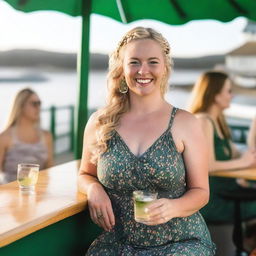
x=58, y=32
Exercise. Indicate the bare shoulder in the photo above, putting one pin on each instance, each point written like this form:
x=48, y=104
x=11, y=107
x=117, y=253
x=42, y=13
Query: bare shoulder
x=5, y=137
x=92, y=121
x=185, y=119
x=204, y=120
x=91, y=128
x=47, y=135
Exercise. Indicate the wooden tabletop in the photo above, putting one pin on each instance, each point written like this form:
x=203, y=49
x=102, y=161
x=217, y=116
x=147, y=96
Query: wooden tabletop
x=249, y=174
x=56, y=197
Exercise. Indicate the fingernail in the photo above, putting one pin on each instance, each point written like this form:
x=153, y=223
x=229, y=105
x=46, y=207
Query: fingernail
x=146, y=210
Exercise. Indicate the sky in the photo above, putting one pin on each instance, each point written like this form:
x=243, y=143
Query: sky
x=55, y=31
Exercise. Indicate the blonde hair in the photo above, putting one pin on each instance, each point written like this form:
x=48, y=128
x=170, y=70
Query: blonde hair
x=17, y=106
x=208, y=85
x=118, y=103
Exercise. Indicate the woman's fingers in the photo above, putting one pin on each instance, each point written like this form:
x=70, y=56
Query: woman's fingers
x=104, y=217
x=159, y=212
x=111, y=216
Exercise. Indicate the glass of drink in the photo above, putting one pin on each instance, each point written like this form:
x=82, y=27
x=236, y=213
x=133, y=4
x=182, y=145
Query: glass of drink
x=27, y=176
x=142, y=200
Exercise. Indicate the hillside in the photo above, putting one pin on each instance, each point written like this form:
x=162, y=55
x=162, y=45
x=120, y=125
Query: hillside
x=39, y=58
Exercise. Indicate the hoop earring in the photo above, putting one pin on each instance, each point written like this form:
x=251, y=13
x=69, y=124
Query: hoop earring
x=123, y=88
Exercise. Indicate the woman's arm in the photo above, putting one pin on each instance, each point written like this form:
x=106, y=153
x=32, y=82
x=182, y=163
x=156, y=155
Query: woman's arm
x=187, y=131
x=251, y=139
x=4, y=143
x=88, y=183
x=246, y=160
x=195, y=157
x=49, y=145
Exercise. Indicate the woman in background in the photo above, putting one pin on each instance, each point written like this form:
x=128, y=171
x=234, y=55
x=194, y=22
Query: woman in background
x=23, y=141
x=251, y=140
x=211, y=95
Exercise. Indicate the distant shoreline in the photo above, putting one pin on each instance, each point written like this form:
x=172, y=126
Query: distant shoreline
x=40, y=58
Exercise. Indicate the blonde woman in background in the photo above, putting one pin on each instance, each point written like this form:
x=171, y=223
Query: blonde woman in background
x=23, y=141
x=141, y=142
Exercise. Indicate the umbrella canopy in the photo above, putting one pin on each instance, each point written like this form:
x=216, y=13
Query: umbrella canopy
x=169, y=11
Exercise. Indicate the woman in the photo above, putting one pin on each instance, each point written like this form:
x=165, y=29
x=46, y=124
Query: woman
x=140, y=142
x=211, y=95
x=252, y=135
x=23, y=141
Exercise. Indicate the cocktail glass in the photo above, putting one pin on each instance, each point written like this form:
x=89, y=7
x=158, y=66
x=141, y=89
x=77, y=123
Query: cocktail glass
x=27, y=175
x=142, y=199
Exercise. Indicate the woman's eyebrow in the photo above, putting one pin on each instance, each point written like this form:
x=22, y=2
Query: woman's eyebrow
x=151, y=58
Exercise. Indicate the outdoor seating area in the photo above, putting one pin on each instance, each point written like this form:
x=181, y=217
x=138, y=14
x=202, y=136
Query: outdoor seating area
x=128, y=128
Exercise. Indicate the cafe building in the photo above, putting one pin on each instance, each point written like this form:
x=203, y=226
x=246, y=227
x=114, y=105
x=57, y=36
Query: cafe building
x=241, y=62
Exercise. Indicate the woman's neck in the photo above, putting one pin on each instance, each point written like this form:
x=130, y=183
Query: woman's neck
x=214, y=112
x=146, y=105
x=24, y=123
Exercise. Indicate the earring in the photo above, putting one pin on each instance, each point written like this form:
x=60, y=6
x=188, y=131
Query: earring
x=123, y=88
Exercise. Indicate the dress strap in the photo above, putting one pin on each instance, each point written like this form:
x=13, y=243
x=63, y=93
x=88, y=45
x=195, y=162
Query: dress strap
x=174, y=111
x=213, y=124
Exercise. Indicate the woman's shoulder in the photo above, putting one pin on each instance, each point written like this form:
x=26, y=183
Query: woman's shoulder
x=185, y=116
x=47, y=135
x=6, y=137
x=204, y=119
x=192, y=121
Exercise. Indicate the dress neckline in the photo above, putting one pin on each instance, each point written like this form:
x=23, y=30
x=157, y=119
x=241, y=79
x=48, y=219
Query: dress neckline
x=173, y=112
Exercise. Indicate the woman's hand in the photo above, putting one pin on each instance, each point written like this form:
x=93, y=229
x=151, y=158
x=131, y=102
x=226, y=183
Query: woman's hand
x=160, y=211
x=100, y=207
x=249, y=158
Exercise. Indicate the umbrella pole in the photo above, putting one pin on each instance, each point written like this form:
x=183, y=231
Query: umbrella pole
x=83, y=71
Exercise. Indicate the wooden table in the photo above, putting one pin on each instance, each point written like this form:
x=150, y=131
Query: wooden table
x=249, y=174
x=56, y=198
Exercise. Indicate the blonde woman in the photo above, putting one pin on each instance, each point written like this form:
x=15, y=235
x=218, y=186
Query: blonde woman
x=141, y=142
x=211, y=95
x=23, y=141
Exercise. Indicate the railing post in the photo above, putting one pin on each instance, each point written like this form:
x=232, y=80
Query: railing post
x=53, y=122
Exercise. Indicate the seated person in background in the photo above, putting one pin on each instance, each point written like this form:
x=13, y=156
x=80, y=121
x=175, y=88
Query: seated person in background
x=211, y=95
x=23, y=141
x=251, y=140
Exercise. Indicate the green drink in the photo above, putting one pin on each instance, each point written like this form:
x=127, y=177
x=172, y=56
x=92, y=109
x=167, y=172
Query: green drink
x=142, y=200
x=27, y=176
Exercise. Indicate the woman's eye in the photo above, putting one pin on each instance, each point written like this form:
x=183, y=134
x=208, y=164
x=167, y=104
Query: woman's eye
x=153, y=62
x=134, y=62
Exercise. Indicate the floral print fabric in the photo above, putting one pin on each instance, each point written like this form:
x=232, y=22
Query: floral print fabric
x=161, y=169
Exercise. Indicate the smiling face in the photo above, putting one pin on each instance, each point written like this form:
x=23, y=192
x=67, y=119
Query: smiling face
x=31, y=108
x=144, y=66
x=223, y=98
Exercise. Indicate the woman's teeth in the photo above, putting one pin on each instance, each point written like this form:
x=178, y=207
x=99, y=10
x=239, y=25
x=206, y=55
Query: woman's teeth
x=143, y=81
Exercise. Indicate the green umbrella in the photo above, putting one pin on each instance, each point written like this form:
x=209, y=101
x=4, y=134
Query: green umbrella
x=169, y=11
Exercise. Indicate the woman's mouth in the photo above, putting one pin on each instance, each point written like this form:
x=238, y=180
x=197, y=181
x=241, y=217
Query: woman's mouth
x=144, y=81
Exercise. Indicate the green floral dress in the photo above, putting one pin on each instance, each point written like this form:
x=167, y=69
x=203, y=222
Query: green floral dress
x=161, y=168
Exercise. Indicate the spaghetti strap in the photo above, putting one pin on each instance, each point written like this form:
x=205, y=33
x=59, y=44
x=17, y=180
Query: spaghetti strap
x=212, y=122
x=174, y=111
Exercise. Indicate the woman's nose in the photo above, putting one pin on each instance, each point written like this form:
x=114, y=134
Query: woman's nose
x=143, y=69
